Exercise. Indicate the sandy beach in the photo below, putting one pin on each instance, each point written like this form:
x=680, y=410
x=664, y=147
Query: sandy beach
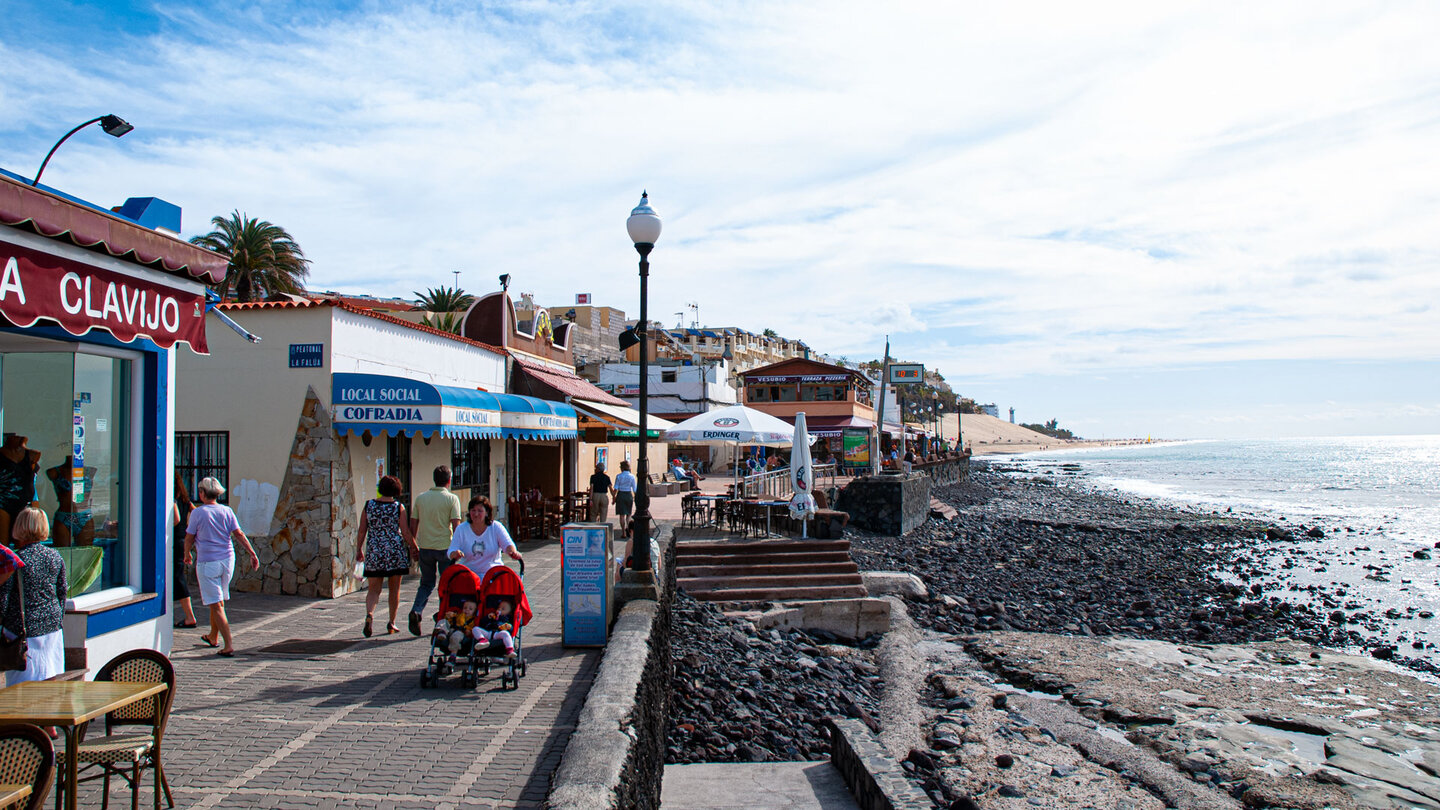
x=987, y=435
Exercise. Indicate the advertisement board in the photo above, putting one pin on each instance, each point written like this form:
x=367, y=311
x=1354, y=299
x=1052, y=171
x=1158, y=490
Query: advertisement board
x=586, y=576
x=857, y=448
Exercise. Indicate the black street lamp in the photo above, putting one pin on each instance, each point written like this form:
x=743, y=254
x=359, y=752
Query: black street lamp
x=644, y=229
x=112, y=124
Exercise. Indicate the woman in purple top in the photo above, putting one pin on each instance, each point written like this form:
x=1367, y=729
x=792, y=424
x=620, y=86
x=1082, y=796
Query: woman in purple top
x=208, y=537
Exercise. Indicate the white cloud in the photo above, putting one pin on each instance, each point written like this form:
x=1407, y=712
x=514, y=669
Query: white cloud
x=1006, y=188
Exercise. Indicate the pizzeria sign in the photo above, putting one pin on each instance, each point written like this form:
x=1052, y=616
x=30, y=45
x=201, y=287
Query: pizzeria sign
x=81, y=297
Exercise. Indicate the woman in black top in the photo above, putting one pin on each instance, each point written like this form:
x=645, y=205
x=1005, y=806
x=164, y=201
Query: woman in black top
x=43, y=579
x=180, y=518
x=600, y=491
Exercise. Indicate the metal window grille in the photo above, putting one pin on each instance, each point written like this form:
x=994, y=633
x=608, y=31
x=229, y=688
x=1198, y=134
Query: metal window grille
x=470, y=465
x=397, y=463
x=203, y=454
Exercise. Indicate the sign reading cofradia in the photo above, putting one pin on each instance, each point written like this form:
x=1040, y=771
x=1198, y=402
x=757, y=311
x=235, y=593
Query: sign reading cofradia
x=80, y=297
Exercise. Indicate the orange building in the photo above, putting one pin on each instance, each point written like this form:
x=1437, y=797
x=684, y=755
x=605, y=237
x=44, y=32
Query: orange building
x=838, y=403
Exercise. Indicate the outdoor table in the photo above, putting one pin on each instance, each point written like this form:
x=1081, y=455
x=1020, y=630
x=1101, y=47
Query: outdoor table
x=768, y=506
x=11, y=794
x=713, y=500
x=69, y=705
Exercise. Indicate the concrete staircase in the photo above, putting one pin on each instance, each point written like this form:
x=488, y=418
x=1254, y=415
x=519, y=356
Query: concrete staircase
x=767, y=570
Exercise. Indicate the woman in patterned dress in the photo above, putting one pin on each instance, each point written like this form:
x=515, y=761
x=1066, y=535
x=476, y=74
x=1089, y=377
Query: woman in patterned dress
x=382, y=545
x=43, y=574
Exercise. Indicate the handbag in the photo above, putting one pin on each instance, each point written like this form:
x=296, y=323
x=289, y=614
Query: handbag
x=13, y=648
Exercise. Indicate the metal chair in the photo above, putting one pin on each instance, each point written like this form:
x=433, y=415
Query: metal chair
x=125, y=755
x=27, y=757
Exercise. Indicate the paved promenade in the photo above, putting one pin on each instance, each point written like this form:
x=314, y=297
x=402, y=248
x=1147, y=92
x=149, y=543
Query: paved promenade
x=352, y=728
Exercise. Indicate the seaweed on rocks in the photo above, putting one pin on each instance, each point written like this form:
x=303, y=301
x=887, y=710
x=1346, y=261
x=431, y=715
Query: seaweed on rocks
x=746, y=695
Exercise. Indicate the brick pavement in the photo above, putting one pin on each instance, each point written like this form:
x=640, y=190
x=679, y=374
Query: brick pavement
x=354, y=729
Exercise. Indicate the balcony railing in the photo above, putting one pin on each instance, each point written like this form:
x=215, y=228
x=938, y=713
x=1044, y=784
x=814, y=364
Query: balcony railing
x=775, y=484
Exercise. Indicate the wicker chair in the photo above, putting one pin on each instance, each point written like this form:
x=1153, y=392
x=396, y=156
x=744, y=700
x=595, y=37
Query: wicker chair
x=125, y=755
x=27, y=757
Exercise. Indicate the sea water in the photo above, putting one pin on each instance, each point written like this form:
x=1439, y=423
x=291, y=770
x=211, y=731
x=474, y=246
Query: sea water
x=1384, y=488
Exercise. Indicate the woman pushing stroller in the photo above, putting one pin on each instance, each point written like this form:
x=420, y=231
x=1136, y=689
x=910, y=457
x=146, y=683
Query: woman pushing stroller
x=477, y=544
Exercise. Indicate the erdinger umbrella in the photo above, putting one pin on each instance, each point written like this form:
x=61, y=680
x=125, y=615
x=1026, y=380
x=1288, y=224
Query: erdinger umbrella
x=802, y=479
x=736, y=425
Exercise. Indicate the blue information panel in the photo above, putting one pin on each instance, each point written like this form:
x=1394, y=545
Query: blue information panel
x=307, y=355
x=585, y=584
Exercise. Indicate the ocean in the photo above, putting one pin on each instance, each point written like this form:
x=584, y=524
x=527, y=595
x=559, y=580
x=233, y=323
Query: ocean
x=1382, y=494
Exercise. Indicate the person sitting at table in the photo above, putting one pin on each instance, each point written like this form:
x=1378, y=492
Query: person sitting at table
x=42, y=581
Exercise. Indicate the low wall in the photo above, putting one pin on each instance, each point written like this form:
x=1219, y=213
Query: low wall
x=874, y=779
x=949, y=470
x=616, y=756
x=890, y=504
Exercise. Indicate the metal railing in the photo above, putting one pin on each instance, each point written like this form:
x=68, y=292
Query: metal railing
x=775, y=484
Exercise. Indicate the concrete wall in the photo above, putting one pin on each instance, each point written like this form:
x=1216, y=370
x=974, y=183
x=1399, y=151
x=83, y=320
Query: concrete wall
x=616, y=756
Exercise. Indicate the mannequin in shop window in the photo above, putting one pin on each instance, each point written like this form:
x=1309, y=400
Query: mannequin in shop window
x=73, y=523
x=18, y=466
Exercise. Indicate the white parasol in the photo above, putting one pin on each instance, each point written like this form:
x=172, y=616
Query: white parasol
x=802, y=504
x=737, y=425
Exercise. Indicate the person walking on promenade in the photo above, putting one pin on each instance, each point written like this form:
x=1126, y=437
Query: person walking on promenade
x=40, y=586
x=600, y=489
x=478, y=544
x=208, y=545
x=437, y=513
x=180, y=510
x=625, y=486
x=382, y=545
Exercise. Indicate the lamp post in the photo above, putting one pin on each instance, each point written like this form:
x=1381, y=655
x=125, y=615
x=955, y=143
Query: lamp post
x=644, y=229
x=113, y=125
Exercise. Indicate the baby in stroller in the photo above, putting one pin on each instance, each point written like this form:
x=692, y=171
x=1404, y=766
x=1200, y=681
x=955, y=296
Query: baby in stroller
x=478, y=625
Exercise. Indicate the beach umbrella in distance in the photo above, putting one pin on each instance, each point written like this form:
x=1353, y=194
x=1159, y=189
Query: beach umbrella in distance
x=735, y=425
x=802, y=479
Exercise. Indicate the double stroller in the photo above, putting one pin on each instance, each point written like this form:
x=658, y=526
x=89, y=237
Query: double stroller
x=473, y=659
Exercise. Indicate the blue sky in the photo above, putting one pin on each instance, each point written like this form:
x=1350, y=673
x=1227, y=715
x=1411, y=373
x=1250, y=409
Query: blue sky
x=1179, y=219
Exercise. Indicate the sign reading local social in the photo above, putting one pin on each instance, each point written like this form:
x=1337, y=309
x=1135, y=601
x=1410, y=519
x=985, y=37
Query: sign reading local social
x=81, y=297
x=585, y=579
x=906, y=373
x=376, y=402
x=307, y=355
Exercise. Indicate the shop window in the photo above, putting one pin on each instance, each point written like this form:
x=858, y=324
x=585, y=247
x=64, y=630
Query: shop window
x=203, y=454
x=785, y=393
x=470, y=465
x=397, y=463
x=822, y=393
x=758, y=393
x=67, y=430
x=667, y=375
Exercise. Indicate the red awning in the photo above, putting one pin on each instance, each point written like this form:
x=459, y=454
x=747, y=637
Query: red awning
x=55, y=216
x=537, y=379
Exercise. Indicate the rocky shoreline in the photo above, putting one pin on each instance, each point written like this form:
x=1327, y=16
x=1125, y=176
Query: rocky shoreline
x=1028, y=555
x=745, y=695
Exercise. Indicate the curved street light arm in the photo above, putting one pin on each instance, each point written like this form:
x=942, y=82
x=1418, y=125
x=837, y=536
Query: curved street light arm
x=51, y=154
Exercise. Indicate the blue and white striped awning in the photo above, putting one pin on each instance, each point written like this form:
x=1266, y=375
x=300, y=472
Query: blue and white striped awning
x=381, y=404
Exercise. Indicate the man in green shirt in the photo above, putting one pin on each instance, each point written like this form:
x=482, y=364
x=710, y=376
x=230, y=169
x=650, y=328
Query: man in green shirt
x=433, y=520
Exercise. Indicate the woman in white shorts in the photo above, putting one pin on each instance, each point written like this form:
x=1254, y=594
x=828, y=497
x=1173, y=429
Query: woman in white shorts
x=208, y=545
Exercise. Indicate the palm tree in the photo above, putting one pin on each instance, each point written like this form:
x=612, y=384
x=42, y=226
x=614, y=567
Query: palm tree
x=445, y=299
x=264, y=258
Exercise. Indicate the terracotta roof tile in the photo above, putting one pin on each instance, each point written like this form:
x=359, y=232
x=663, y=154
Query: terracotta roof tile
x=369, y=313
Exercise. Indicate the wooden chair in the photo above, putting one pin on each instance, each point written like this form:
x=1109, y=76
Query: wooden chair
x=27, y=757
x=125, y=755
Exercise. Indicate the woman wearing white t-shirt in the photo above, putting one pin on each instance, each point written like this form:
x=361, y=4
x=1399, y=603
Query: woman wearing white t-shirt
x=477, y=544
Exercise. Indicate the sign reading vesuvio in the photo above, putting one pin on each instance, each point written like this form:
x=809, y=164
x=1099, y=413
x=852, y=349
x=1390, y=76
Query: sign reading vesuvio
x=377, y=401
x=81, y=297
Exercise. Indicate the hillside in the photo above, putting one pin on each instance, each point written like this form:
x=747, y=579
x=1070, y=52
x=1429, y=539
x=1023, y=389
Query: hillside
x=986, y=434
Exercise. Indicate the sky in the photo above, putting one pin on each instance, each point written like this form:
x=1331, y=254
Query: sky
x=1166, y=219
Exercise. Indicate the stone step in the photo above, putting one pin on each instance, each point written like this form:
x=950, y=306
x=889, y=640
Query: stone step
x=683, y=560
x=685, y=547
x=731, y=570
x=693, y=584
x=747, y=594
x=942, y=510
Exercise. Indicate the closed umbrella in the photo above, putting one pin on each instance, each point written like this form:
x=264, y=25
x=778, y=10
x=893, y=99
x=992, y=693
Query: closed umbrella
x=802, y=480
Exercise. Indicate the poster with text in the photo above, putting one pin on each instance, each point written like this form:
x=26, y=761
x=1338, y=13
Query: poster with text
x=585, y=584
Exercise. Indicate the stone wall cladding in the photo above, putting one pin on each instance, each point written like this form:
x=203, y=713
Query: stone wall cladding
x=875, y=780
x=616, y=756
x=887, y=504
x=949, y=471
x=310, y=549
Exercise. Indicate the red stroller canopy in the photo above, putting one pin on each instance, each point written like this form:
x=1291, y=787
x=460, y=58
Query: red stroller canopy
x=503, y=581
